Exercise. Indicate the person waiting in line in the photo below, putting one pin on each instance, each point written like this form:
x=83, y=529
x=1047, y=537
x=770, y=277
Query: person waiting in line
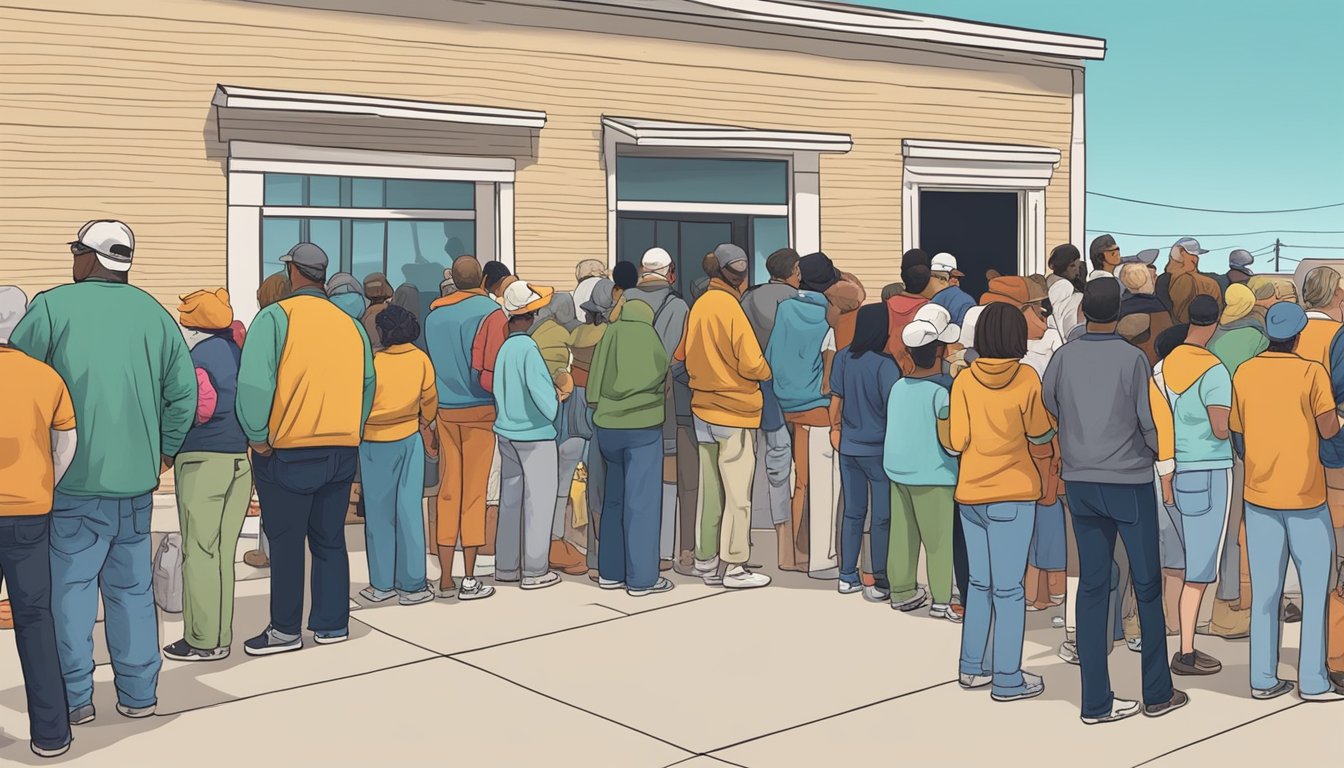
x=347, y=293
x=1199, y=390
x=946, y=293
x=38, y=418
x=626, y=389
x=305, y=389
x=1323, y=341
x=1066, y=265
x=800, y=353
x=213, y=478
x=1098, y=388
x=133, y=389
x=655, y=288
x=495, y=278
x=601, y=304
x=774, y=453
x=916, y=275
x=586, y=275
x=397, y=436
x=1142, y=317
x=554, y=323
x=1105, y=256
x=923, y=474
x=271, y=290
x=723, y=365
x=862, y=376
x=465, y=424
x=1282, y=408
x=527, y=403
x=378, y=291
x=998, y=399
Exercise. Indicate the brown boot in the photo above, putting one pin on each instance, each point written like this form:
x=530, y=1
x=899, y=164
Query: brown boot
x=1228, y=622
x=257, y=559
x=566, y=559
x=491, y=528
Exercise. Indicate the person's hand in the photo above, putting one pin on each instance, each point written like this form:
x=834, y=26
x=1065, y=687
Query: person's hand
x=1168, y=491
x=431, y=439
x=260, y=448
x=835, y=440
x=561, y=395
x=165, y=464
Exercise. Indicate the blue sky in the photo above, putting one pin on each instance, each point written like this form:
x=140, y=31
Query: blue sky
x=1229, y=104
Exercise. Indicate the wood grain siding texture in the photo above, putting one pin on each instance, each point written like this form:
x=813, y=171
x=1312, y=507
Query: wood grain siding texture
x=125, y=128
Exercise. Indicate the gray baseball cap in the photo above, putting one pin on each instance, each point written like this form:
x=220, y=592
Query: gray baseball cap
x=1145, y=257
x=1241, y=260
x=1190, y=245
x=731, y=255
x=306, y=255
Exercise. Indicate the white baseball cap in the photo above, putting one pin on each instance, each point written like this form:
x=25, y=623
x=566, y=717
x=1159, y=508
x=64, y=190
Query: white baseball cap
x=946, y=262
x=112, y=241
x=656, y=260
x=932, y=323
x=521, y=298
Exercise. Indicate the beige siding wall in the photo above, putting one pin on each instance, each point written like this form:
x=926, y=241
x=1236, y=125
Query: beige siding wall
x=124, y=127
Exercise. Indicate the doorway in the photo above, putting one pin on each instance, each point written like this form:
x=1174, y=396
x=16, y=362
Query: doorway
x=981, y=229
x=688, y=237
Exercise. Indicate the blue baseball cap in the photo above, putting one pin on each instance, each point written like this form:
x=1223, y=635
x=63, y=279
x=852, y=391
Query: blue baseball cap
x=1284, y=321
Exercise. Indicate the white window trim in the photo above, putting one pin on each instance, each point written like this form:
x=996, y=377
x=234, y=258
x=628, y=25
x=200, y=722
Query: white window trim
x=662, y=139
x=249, y=161
x=952, y=166
x=241, y=97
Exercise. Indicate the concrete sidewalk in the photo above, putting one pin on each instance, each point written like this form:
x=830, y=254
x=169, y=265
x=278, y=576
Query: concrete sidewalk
x=790, y=675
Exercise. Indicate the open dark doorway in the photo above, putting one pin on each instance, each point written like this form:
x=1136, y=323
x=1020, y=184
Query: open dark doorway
x=979, y=228
x=687, y=237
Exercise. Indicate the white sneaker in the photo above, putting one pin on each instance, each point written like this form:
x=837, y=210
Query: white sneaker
x=971, y=682
x=846, y=588
x=1120, y=709
x=548, y=579
x=473, y=589
x=876, y=594
x=738, y=577
x=944, y=611
x=610, y=584
x=913, y=602
x=661, y=585
x=1334, y=694
x=1032, y=686
x=708, y=570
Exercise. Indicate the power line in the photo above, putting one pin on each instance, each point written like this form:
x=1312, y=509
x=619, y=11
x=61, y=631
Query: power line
x=1225, y=234
x=1315, y=247
x=1212, y=210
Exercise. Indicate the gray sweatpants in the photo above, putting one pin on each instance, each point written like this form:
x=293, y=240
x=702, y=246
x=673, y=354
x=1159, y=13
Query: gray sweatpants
x=772, y=489
x=527, y=480
x=570, y=453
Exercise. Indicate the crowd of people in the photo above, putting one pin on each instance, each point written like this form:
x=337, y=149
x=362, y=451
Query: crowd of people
x=1013, y=439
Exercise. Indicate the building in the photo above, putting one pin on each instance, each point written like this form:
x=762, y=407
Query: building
x=403, y=133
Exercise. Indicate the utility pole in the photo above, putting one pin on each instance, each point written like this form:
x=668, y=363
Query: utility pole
x=1277, y=245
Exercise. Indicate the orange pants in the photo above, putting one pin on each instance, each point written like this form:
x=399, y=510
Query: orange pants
x=466, y=447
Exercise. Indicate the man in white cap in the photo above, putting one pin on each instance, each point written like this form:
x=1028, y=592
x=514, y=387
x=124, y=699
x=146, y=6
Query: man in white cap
x=526, y=404
x=946, y=286
x=657, y=275
x=133, y=388
x=1184, y=258
x=36, y=417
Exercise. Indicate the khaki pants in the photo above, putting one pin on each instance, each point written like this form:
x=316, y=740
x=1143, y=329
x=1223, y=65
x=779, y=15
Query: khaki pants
x=466, y=447
x=723, y=515
x=816, y=474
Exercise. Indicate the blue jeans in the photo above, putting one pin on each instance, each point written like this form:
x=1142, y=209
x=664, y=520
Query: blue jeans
x=103, y=544
x=861, y=476
x=1272, y=536
x=304, y=493
x=632, y=505
x=997, y=538
x=1101, y=512
x=393, y=482
x=25, y=568
x=1049, y=546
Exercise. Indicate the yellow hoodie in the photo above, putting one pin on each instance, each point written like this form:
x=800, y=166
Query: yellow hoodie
x=994, y=418
x=723, y=360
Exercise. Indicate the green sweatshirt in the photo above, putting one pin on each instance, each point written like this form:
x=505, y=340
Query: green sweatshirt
x=626, y=383
x=130, y=378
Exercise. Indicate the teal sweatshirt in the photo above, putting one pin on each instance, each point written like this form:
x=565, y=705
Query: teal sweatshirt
x=525, y=401
x=794, y=352
x=130, y=377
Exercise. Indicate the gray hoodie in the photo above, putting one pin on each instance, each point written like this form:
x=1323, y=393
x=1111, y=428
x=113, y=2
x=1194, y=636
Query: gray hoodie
x=760, y=305
x=669, y=321
x=1096, y=387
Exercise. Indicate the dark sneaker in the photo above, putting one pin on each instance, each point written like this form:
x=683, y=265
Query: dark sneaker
x=331, y=638
x=1291, y=614
x=83, y=715
x=1178, y=699
x=1194, y=664
x=1279, y=689
x=182, y=651
x=46, y=752
x=269, y=643
x=1032, y=686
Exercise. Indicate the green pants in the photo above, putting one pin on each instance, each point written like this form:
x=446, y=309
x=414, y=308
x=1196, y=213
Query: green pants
x=711, y=504
x=213, y=490
x=920, y=513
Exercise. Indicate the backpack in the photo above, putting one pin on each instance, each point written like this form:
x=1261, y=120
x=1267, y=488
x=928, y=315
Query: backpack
x=167, y=573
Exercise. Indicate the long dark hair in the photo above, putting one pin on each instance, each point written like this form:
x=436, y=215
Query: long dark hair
x=872, y=330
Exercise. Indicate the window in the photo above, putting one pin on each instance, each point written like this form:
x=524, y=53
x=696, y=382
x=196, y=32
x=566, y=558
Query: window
x=702, y=180
x=409, y=229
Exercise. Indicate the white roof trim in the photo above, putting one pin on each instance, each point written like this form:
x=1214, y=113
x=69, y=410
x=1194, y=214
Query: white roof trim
x=659, y=133
x=877, y=23
x=974, y=152
x=237, y=97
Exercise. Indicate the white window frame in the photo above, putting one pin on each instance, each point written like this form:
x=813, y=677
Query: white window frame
x=802, y=152
x=954, y=166
x=250, y=161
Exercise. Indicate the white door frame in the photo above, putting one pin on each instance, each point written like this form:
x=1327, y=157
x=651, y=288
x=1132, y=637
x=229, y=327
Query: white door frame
x=952, y=166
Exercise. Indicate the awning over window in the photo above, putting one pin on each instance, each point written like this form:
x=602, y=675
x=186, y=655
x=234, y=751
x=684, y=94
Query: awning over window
x=238, y=97
x=661, y=133
x=929, y=161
